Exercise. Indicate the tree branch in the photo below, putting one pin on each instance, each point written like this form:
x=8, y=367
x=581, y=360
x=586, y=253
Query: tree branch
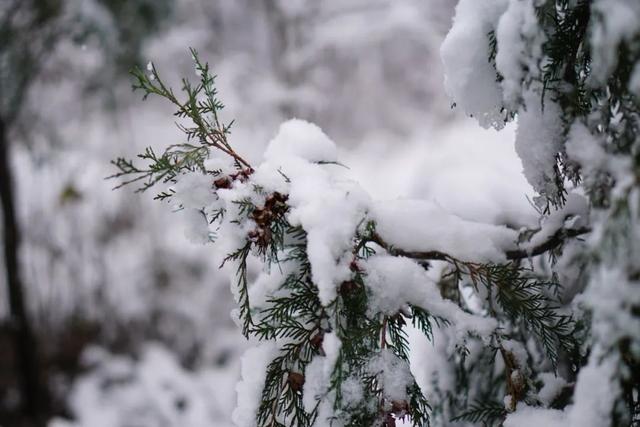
x=558, y=238
x=33, y=396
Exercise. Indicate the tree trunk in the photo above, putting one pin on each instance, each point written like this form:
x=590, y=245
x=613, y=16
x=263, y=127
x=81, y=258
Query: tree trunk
x=25, y=353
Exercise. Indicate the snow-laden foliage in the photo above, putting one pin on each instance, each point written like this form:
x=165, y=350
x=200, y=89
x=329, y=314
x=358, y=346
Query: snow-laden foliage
x=568, y=72
x=329, y=282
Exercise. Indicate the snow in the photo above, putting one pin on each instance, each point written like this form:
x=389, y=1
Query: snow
x=574, y=215
x=328, y=206
x=152, y=391
x=552, y=386
x=318, y=372
x=196, y=226
x=392, y=373
x=518, y=351
x=471, y=172
x=596, y=392
x=193, y=190
x=519, y=48
x=420, y=225
x=616, y=21
x=470, y=80
x=527, y=416
x=450, y=189
x=611, y=296
x=254, y=364
x=538, y=140
x=397, y=281
x=301, y=139
x=585, y=149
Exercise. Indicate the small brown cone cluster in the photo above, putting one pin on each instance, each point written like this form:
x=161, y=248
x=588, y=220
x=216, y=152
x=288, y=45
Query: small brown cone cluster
x=226, y=182
x=349, y=288
x=275, y=205
x=296, y=381
x=316, y=342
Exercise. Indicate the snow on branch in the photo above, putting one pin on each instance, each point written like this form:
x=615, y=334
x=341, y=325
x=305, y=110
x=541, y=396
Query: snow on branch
x=329, y=308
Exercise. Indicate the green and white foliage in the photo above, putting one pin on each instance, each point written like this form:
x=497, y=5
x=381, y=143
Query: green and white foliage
x=329, y=283
x=569, y=72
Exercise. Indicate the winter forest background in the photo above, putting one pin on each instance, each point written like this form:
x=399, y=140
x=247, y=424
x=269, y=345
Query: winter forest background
x=131, y=317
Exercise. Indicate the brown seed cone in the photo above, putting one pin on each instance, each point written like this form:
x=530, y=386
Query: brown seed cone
x=296, y=381
x=223, y=182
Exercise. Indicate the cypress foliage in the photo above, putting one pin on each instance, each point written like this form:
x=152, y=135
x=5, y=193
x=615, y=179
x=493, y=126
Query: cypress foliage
x=525, y=307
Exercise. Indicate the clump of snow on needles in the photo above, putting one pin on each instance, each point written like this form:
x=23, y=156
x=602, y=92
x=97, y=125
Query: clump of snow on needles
x=527, y=416
x=421, y=225
x=551, y=387
x=397, y=281
x=318, y=372
x=253, y=370
x=470, y=79
x=538, y=140
x=519, y=48
x=327, y=206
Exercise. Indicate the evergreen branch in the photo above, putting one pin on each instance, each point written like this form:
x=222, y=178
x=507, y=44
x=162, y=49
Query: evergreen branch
x=556, y=240
x=487, y=413
x=523, y=299
x=208, y=130
x=240, y=256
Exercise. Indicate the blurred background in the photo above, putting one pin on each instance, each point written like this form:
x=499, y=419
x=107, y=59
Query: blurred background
x=115, y=318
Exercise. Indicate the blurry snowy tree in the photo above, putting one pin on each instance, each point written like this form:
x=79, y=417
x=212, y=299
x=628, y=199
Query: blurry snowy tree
x=31, y=32
x=311, y=59
x=535, y=327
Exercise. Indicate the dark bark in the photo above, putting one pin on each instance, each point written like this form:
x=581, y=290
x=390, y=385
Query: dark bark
x=24, y=341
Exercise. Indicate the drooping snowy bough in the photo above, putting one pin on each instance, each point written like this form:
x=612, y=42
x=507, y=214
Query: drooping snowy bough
x=569, y=72
x=329, y=283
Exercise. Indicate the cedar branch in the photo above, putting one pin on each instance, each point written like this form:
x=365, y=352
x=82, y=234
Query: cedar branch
x=558, y=238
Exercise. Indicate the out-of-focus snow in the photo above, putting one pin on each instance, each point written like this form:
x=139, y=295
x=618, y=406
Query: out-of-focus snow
x=470, y=172
x=152, y=391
